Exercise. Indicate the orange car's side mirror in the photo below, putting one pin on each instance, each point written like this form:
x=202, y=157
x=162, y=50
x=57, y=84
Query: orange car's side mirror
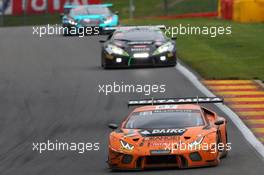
x=219, y=122
x=102, y=41
x=112, y=126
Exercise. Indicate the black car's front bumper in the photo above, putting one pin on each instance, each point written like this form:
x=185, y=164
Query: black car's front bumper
x=113, y=61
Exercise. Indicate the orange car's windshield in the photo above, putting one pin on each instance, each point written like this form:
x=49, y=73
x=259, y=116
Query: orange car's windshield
x=159, y=119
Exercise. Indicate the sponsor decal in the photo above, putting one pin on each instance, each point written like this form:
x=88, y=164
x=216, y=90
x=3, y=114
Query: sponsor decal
x=139, y=42
x=158, y=144
x=162, y=132
x=162, y=138
x=150, y=113
x=145, y=113
x=167, y=107
x=141, y=49
x=139, y=46
x=145, y=132
x=177, y=101
x=176, y=110
x=160, y=151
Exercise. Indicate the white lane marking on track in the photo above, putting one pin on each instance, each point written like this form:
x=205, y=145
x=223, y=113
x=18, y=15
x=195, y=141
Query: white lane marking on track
x=249, y=136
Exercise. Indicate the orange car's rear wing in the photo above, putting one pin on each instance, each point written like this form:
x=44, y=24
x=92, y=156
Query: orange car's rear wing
x=190, y=100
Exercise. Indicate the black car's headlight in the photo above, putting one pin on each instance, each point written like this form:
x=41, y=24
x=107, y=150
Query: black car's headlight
x=126, y=145
x=167, y=47
x=116, y=50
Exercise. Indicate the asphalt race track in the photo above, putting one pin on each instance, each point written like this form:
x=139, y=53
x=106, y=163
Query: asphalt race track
x=49, y=91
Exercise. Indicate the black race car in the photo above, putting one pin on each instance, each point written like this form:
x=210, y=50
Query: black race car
x=136, y=46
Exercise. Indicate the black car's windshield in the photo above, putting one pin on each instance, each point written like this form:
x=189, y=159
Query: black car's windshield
x=139, y=35
x=162, y=119
x=90, y=10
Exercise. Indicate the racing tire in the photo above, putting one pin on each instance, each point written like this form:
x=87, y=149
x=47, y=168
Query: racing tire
x=173, y=65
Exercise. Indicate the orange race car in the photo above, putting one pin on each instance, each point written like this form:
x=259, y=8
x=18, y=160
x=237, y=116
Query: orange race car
x=168, y=133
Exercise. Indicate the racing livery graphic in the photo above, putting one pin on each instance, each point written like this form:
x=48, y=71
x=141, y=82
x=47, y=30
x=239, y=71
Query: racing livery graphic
x=168, y=135
x=138, y=46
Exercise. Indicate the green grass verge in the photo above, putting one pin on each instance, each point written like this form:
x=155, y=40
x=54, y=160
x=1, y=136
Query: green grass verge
x=236, y=56
x=145, y=8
